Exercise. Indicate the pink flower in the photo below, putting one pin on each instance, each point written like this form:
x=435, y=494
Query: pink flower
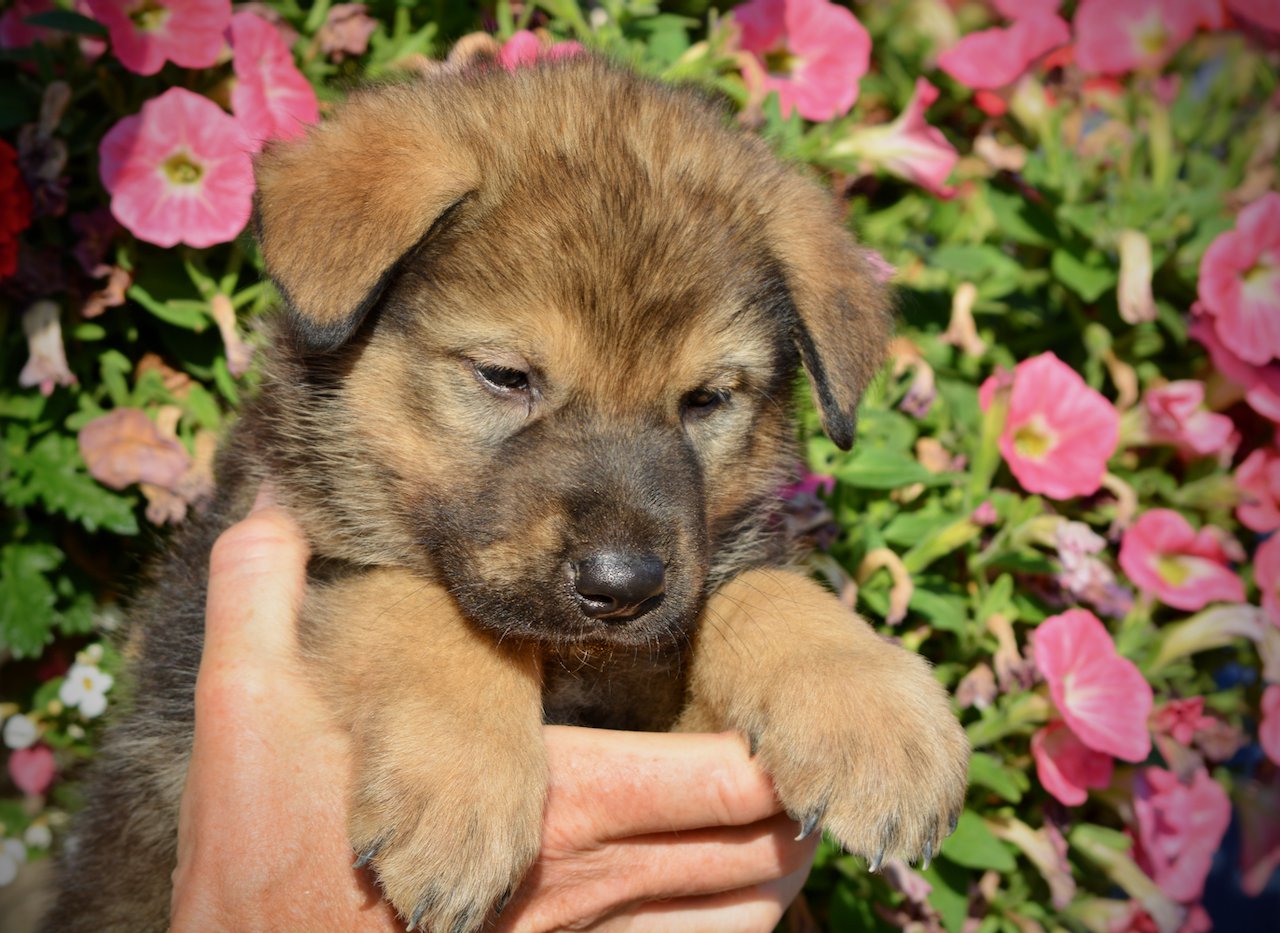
x=125, y=447
x=1266, y=573
x=1066, y=767
x=1240, y=283
x=1118, y=36
x=1269, y=728
x=46, y=365
x=1016, y=9
x=1181, y=719
x=1258, y=804
x=1258, y=479
x=1261, y=384
x=1179, y=829
x=14, y=31
x=1186, y=569
x=271, y=98
x=1176, y=415
x=1102, y=696
x=908, y=147
x=524, y=48
x=32, y=769
x=147, y=33
x=179, y=171
x=346, y=31
x=993, y=58
x=811, y=52
x=1059, y=433
x=1264, y=13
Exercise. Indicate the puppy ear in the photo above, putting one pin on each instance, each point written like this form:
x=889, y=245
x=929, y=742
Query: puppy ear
x=842, y=310
x=337, y=210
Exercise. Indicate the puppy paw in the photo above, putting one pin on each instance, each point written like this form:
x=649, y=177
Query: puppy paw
x=449, y=842
x=870, y=751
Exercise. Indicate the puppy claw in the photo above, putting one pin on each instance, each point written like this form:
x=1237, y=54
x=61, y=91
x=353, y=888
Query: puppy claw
x=753, y=743
x=367, y=855
x=810, y=823
x=501, y=903
x=877, y=862
x=953, y=823
x=928, y=855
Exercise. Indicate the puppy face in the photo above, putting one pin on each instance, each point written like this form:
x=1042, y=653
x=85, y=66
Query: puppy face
x=557, y=374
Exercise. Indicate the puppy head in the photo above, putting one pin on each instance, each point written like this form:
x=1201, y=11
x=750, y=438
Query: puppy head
x=544, y=326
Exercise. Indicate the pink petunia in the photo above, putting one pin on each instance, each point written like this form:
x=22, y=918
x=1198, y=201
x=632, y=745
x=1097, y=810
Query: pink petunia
x=524, y=48
x=1269, y=727
x=1118, y=36
x=1186, y=569
x=1181, y=719
x=32, y=769
x=994, y=58
x=1261, y=384
x=1016, y=9
x=1264, y=13
x=1059, y=433
x=1066, y=767
x=147, y=33
x=15, y=32
x=1176, y=415
x=179, y=171
x=1240, y=283
x=1258, y=479
x=1180, y=827
x=46, y=364
x=811, y=52
x=908, y=147
x=1266, y=573
x=125, y=447
x=1102, y=697
x=271, y=98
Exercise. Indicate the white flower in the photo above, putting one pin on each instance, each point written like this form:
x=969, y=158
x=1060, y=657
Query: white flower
x=85, y=687
x=20, y=732
x=12, y=854
x=38, y=836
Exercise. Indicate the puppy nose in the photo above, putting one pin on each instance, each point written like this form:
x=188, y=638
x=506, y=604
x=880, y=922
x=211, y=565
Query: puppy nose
x=617, y=584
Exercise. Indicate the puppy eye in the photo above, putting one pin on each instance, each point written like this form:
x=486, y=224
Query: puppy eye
x=502, y=379
x=703, y=401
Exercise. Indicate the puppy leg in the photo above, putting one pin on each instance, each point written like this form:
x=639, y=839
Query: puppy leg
x=855, y=731
x=450, y=769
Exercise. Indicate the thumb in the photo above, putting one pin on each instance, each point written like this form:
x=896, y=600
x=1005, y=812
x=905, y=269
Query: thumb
x=257, y=580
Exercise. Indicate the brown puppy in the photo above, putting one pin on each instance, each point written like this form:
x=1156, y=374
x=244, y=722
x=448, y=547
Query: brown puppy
x=531, y=404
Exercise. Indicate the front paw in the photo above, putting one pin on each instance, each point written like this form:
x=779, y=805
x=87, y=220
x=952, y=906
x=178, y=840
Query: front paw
x=452, y=838
x=871, y=751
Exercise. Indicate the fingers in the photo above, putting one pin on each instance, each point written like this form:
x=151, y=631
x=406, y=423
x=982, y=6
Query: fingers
x=257, y=575
x=756, y=909
x=657, y=782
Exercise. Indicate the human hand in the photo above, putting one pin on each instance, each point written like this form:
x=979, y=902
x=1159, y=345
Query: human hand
x=641, y=831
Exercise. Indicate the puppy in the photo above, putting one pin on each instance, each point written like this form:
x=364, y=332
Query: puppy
x=530, y=400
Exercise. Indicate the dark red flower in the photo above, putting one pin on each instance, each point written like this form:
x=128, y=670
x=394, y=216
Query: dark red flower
x=15, y=209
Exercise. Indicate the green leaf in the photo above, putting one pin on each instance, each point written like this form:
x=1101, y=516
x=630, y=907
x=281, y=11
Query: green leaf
x=950, y=894
x=988, y=771
x=875, y=468
x=66, y=21
x=27, y=597
x=180, y=312
x=1021, y=220
x=1088, y=280
x=949, y=613
x=51, y=472
x=974, y=846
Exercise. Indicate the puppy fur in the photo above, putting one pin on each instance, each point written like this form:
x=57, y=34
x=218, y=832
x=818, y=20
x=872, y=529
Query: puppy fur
x=529, y=316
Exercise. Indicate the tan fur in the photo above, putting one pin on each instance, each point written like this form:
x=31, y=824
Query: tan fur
x=619, y=246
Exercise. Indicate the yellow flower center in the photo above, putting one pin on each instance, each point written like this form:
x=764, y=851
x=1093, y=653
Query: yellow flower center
x=1172, y=570
x=1152, y=36
x=148, y=15
x=1033, y=440
x=181, y=170
x=779, y=62
x=1263, y=277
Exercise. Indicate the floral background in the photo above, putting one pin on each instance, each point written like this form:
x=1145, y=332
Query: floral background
x=1066, y=484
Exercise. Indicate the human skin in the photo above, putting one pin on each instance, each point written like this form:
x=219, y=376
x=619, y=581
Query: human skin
x=641, y=831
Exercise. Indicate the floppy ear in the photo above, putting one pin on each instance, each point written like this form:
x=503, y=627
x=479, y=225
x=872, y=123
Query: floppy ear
x=337, y=210
x=843, y=313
